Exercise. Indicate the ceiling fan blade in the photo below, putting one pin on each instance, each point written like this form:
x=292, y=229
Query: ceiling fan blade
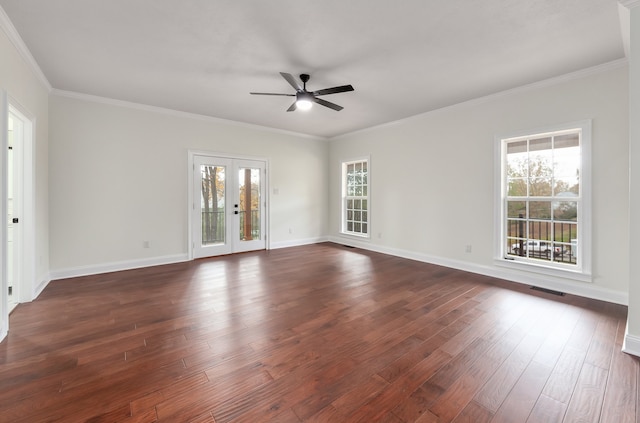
x=288, y=95
x=291, y=80
x=328, y=104
x=334, y=90
x=292, y=108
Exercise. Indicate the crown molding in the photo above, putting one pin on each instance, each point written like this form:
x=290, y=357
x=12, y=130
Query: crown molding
x=176, y=113
x=12, y=33
x=583, y=73
x=630, y=4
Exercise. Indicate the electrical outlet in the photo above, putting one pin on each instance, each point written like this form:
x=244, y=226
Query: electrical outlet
x=146, y=244
x=467, y=249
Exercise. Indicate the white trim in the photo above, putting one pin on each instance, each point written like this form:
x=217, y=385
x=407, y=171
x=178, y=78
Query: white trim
x=14, y=37
x=583, y=290
x=583, y=73
x=583, y=271
x=27, y=289
x=44, y=281
x=4, y=147
x=298, y=242
x=630, y=4
x=176, y=113
x=191, y=200
x=343, y=218
x=74, y=272
x=527, y=278
x=624, y=16
x=118, y=266
x=584, y=124
x=543, y=270
x=227, y=155
x=631, y=343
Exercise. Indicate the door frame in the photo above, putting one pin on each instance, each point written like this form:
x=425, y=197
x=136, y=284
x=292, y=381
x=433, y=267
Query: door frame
x=15, y=164
x=4, y=147
x=191, y=199
x=27, y=284
x=26, y=290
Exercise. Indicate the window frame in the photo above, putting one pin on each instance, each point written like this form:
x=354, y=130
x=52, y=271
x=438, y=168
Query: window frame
x=582, y=269
x=344, y=197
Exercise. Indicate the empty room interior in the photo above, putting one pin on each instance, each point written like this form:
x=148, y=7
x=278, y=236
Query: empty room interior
x=298, y=211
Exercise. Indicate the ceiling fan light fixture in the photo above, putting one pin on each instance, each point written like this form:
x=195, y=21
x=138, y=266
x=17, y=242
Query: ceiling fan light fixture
x=304, y=98
x=304, y=104
x=304, y=101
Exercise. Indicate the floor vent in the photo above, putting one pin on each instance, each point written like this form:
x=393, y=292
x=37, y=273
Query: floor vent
x=548, y=291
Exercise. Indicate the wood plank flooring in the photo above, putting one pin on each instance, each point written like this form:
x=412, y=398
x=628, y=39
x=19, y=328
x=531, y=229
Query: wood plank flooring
x=319, y=333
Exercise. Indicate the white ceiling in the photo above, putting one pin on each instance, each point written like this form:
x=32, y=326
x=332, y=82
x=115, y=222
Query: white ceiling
x=403, y=57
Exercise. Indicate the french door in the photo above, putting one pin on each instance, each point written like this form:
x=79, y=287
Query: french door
x=229, y=206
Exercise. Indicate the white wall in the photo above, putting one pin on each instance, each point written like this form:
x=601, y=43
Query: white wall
x=433, y=176
x=29, y=92
x=632, y=339
x=118, y=176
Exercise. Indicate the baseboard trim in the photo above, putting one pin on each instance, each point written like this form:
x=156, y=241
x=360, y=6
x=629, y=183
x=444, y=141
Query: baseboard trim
x=116, y=266
x=297, y=242
x=74, y=272
x=631, y=343
x=582, y=289
x=44, y=281
x=4, y=327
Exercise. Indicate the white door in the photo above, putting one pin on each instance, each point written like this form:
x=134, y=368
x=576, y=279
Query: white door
x=229, y=205
x=14, y=209
x=20, y=245
x=4, y=310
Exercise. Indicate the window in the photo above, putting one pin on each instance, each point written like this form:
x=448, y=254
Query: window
x=544, y=199
x=355, y=197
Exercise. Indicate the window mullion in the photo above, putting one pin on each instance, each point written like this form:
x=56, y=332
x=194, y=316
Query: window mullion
x=534, y=165
x=355, y=194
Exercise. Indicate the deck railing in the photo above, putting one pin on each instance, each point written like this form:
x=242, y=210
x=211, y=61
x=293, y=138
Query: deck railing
x=538, y=243
x=213, y=226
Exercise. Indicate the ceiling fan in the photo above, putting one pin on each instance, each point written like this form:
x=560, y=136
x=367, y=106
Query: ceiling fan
x=304, y=98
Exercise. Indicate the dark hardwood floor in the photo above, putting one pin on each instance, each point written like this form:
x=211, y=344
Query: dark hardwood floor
x=320, y=333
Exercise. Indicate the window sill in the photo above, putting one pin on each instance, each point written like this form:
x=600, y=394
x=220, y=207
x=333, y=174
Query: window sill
x=352, y=235
x=541, y=269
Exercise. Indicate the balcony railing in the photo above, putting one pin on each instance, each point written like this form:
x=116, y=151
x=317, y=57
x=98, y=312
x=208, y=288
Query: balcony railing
x=255, y=225
x=539, y=245
x=213, y=226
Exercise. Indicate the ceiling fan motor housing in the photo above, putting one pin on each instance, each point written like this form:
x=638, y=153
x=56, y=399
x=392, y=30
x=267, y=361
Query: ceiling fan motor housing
x=304, y=98
x=304, y=95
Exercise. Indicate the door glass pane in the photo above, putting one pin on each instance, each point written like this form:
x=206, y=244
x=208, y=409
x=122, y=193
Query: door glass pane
x=213, y=204
x=249, y=185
